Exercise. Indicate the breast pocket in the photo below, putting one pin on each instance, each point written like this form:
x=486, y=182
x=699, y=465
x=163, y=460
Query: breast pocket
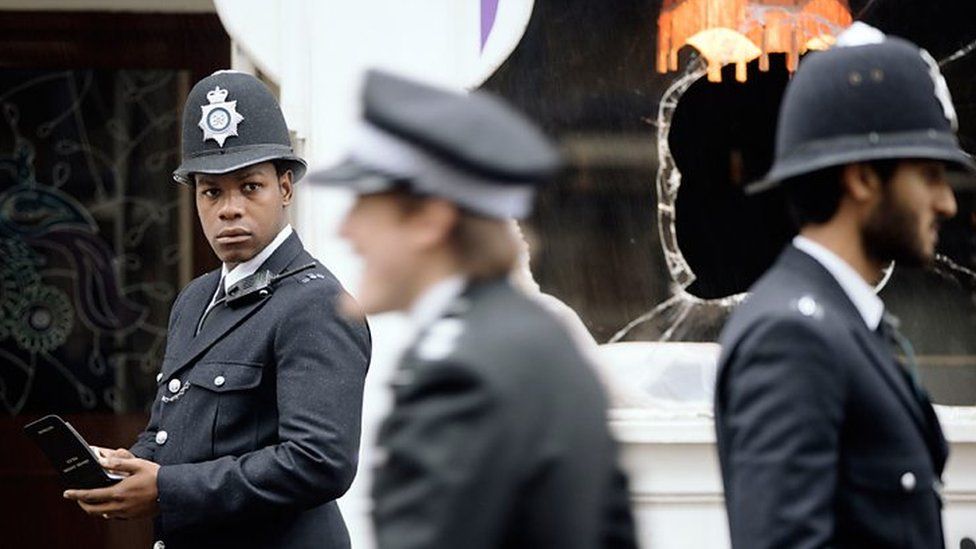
x=236, y=389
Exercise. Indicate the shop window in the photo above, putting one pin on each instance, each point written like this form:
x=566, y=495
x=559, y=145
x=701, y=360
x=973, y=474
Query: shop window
x=95, y=239
x=586, y=73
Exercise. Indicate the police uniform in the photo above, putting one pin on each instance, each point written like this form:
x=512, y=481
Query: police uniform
x=498, y=434
x=824, y=438
x=257, y=414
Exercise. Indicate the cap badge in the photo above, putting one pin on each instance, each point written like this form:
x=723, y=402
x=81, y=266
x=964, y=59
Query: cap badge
x=220, y=118
x=941, y=89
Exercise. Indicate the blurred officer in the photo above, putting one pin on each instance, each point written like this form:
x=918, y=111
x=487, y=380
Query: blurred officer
x=825, y=436
x=255, y=428
x=498, y=435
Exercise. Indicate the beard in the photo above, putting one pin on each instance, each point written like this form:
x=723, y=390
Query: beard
x=892, y=234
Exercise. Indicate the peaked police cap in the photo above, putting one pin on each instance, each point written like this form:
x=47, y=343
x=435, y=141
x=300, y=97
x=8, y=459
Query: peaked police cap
x=470, y=148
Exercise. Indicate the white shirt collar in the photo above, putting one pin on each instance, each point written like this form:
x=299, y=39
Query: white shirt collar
x=249, y=267
x=434, y=300
x=861, y=294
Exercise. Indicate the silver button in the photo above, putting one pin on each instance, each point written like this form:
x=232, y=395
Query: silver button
x=161, y=437
x=807, y=306
x=174, y=385
x=159, y=545
x=908, y=481
x=219, y=380
x=159, y=377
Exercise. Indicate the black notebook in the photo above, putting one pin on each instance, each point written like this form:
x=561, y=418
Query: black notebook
x=74, y=459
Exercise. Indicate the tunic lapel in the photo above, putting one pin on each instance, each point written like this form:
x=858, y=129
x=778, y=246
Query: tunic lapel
x=881, y=357
x=222, y=318
x=409, y=360
x=196, y=304
x=922, y=412
x=884, y=361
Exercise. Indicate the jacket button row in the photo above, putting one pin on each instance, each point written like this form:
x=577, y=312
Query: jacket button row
x=219, y=381
x=174, y=385
x=159, y=377
x=161, y=437
x=159, y=545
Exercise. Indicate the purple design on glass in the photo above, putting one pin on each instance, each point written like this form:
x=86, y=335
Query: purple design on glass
x=488, y=10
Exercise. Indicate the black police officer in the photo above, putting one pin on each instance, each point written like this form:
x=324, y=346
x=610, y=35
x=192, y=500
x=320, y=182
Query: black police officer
x=498, y=434
x=254, y=431
x=825, y=439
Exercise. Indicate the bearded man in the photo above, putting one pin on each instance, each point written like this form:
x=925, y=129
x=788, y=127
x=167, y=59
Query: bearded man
x=825, y=436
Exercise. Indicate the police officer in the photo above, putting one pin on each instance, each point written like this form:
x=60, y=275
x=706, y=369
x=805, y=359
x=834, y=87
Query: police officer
x=254, y=431
x=826, y=438
x=498, y=434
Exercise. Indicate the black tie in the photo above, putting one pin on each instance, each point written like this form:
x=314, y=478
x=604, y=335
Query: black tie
x=215, y=303
x=904, y=352
x=905, y=355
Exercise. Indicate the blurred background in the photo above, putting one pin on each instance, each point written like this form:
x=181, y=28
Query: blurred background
x=647, y=235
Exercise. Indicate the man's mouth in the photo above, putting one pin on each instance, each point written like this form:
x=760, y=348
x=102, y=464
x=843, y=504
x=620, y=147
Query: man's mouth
x=233, y=235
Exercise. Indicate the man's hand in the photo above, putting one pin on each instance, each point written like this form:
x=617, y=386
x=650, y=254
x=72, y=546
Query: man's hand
x=132, y=497
x=104, y=454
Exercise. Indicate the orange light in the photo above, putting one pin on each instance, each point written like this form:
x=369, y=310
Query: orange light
x=738, y=31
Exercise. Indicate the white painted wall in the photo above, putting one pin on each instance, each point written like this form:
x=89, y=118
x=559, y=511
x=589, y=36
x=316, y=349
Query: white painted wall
x=159, y=6
x=676, y=486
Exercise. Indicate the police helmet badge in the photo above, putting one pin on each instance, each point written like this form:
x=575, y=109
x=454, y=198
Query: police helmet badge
x=220, y=118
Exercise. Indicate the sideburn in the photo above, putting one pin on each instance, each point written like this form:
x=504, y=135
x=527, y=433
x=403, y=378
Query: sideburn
x=890, y=233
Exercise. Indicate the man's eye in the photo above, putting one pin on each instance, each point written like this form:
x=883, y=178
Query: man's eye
x=251, y=187
x=209, y=193
x=934, y=174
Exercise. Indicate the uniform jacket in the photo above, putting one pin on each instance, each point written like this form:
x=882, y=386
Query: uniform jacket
x=256, y=420
x=822, y=439
x=498, y=436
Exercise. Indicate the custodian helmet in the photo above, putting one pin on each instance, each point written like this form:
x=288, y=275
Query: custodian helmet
x=870, y=97
x=232, y=120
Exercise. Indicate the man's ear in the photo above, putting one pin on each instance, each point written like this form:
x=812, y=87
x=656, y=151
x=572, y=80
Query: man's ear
x=435, y=220
x=286, y=187
x=861, y=182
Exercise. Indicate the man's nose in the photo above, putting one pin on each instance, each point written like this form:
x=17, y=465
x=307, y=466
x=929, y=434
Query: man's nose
x=945, y=202
x=230, y=207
